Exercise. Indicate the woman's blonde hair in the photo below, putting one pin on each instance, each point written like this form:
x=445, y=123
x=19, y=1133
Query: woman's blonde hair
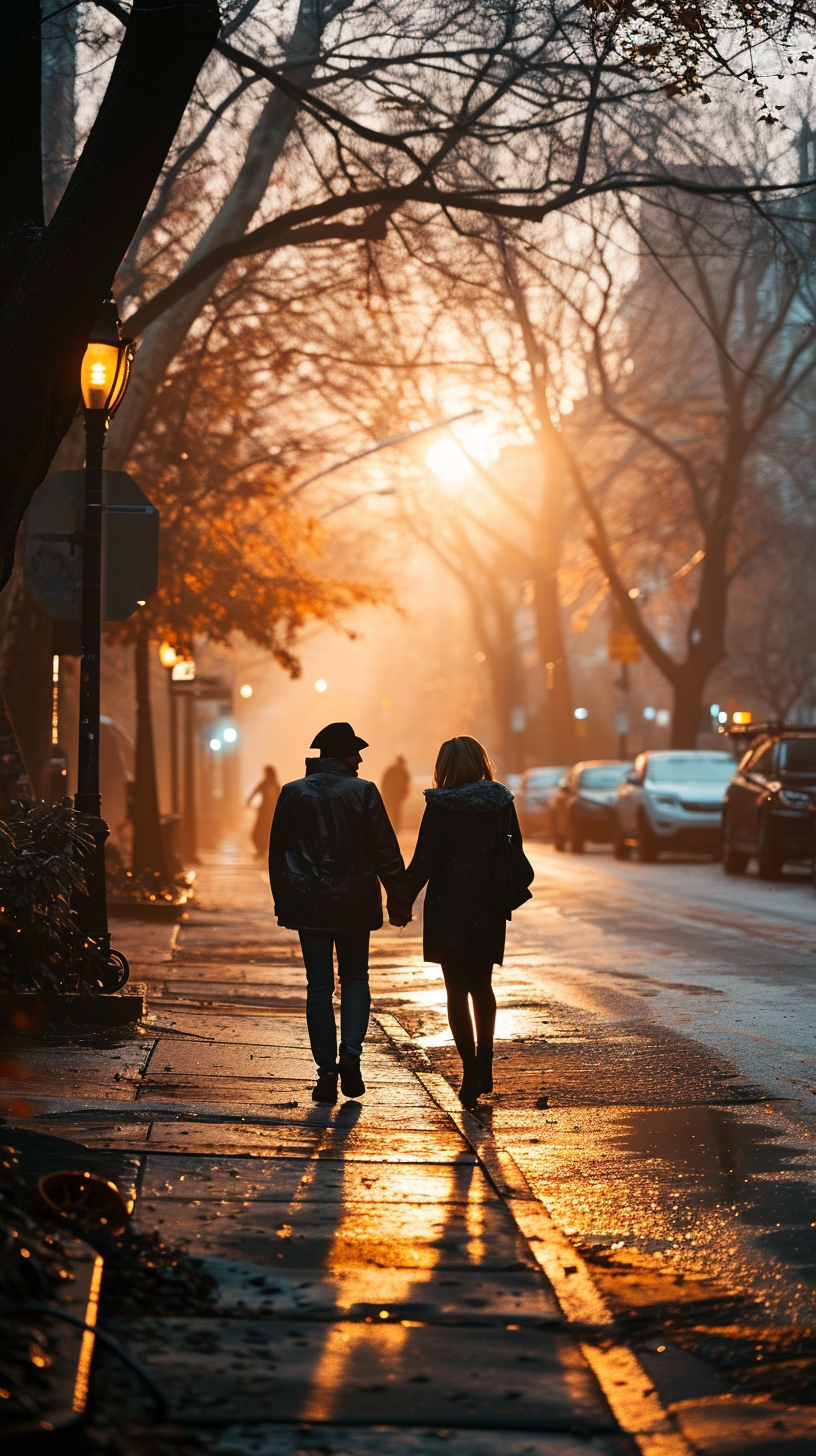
x=461, y=761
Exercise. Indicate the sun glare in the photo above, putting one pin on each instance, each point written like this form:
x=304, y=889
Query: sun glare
x=448, y=460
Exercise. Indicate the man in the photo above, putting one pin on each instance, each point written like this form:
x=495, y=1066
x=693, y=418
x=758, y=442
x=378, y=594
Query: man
x=396, y=786
x=330, y=846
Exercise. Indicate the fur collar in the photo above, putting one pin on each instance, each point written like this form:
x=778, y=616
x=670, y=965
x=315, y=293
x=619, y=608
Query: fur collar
x=485, y=796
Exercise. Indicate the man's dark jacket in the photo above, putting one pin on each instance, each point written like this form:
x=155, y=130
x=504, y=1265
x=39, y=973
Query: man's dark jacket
x=455, y=856
x=331, y=843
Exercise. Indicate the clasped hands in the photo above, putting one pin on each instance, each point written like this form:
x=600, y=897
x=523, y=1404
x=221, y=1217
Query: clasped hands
x=399, y=913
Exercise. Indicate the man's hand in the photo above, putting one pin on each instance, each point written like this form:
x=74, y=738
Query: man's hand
x=399, y=915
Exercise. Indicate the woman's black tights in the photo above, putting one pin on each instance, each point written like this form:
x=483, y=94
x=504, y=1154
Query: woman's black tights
x=473, y=981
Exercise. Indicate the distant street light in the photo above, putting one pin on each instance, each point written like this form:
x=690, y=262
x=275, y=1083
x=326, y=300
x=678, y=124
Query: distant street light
x=245, y=691
x=321, y=685
x=103, y=378
x=215, y=745
x=230, y=735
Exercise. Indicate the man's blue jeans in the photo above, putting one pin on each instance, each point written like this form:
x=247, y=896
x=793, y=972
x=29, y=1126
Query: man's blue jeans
x=355, y=998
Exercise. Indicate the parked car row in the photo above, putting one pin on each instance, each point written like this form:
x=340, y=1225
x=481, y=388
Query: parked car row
x=764, y=806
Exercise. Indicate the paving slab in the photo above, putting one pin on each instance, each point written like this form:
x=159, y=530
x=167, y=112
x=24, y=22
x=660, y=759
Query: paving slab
x=538, y=1381
x=225, y=1059
x=294, y=1108
x=69, y=1059
x=440, y=1146
x=431, y=1295
x=220, y=984
x=274, y=1141
x=49, y=1115
x=281, y=1180
x=269, y=1027
x=405, y=1235
x=332, y=1440
x=260, y=1096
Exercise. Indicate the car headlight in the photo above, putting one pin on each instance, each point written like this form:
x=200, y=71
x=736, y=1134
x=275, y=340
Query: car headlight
x=792, y=800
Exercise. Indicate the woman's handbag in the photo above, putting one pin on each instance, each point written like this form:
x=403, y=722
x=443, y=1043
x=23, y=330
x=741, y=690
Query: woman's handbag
x=512, y=871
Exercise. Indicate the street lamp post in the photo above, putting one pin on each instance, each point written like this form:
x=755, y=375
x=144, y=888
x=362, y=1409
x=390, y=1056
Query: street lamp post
x=104, y=378
x=168, y=658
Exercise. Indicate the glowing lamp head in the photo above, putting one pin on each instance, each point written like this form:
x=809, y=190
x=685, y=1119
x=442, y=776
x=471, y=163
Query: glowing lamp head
x=246, y=690
x=106, y=363
x=168, y=657
x=743, y=718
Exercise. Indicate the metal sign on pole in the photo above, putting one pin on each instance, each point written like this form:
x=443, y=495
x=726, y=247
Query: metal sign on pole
x=623, y=647
x=53, y=558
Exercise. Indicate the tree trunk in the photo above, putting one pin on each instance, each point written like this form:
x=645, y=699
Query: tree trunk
x=689, y=687
x=53, y=279
x=148, y=847
x=507, y=683
x=558, y=740
x=25, y=676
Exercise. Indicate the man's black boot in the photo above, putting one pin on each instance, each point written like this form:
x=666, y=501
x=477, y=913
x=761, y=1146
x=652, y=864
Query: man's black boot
x=325, y=1089
x=351, y=1081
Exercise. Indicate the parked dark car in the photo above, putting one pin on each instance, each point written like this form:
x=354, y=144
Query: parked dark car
x=583, y=807
x=538, y=786
x=767, y=810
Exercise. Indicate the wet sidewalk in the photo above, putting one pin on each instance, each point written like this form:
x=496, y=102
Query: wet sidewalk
x=385, y=1278
x=369, y=1274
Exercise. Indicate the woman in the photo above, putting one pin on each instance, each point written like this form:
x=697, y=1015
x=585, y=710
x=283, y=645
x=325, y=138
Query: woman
x=466, y=814
x=269, y=791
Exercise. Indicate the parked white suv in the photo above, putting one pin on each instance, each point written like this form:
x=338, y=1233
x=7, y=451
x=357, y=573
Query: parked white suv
x=672, y=800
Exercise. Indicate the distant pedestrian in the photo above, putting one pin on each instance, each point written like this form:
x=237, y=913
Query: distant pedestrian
x=466, y=832
x=331, y=844
x=396, y=786
x=268, y=790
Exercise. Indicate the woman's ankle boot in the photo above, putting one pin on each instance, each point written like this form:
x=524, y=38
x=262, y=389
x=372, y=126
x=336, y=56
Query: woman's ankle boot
x=484, y=1062
x=471, y=1083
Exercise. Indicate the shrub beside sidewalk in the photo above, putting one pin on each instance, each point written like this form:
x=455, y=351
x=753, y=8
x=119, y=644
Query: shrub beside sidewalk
x=42, y=949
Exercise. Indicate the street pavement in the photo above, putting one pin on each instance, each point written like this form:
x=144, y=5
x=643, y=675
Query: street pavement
x=616, y=1254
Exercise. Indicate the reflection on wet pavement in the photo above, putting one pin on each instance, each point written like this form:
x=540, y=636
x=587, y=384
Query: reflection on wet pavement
x=372, y=1288
x=635, y=1136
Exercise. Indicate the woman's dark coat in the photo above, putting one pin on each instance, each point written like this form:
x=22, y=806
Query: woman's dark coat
x=331, y=844
x=455, y=855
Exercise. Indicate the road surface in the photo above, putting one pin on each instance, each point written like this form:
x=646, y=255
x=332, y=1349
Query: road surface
x=730, y=961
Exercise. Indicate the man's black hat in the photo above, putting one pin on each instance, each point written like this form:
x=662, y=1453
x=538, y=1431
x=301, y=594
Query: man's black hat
x=338, y=740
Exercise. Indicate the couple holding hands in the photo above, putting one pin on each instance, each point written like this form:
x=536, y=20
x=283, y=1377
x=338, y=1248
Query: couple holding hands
x=332, y=843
